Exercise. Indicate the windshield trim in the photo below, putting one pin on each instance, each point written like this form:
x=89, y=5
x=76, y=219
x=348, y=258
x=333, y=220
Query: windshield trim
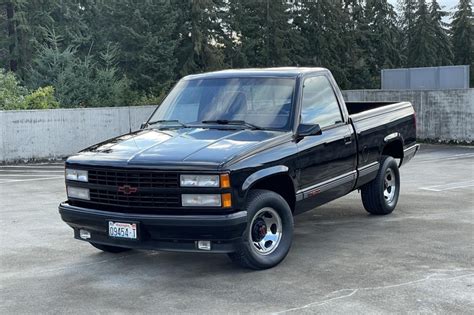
x=291, y=119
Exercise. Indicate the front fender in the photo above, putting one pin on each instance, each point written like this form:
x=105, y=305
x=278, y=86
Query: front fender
x=263, y=173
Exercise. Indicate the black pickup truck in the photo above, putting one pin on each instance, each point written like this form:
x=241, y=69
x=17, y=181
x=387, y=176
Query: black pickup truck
x=227, y=160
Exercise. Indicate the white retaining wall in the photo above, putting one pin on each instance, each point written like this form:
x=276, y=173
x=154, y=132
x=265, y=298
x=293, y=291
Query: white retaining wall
x=445, y=115
x=56, y=133
x=442, y=115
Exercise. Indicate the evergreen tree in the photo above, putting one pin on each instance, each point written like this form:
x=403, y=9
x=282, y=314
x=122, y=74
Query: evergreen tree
x=321, y=26
x=80, y=45
x=78, y=81
x=264, y=36
x=143, y=34
x=27, y=24
x=462, y=30
x=420, y=53
x=200, y=34
x=384, y=38
x=407, y=25
x=442, y=44
x=356, y=38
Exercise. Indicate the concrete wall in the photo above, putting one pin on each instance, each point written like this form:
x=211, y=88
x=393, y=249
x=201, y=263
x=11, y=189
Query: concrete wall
x=445, y=115
x=55, y=133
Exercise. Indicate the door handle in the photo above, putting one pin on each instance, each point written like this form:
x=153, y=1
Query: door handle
x=347, y=140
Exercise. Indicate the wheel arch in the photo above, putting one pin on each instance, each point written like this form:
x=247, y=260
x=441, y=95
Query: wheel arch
x=393, y=146
x=276, y=179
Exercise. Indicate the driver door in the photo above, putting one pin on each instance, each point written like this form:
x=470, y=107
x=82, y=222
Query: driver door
x=326, y=162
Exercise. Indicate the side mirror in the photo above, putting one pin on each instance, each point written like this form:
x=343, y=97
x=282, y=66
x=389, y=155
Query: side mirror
x=305, y=130
x=143, y=125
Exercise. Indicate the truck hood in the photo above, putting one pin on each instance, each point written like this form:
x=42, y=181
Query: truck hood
x=187, y=146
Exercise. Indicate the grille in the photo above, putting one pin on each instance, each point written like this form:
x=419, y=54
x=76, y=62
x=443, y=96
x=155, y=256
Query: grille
x=105, y=194
x=139, y=200
x=134, y=178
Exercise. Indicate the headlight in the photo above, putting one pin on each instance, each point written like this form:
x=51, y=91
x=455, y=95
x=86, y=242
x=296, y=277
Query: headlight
x=79, y=175
x=78, y=192
x=202, y=200
x=199, y=181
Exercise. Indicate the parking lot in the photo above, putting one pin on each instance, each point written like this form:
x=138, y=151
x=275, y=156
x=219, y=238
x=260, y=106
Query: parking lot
x=418, y=259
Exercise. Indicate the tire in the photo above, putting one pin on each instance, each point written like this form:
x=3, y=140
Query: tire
x=110, y=249
x=380, y=196
x=269, y=233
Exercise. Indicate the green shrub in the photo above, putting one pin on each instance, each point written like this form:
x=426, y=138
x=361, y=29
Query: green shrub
x=42, y=98
x=14, y=96
x=79, y=81
x=11, y=92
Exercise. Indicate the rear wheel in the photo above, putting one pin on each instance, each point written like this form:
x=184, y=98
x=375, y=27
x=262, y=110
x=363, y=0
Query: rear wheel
x=269, y=233
x=110, y=249
x=380, y=196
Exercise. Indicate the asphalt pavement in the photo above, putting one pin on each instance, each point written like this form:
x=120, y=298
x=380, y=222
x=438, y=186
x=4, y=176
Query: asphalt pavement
x=419, y=259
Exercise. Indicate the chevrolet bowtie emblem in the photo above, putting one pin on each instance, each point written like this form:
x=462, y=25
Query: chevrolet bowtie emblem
x=127, y=189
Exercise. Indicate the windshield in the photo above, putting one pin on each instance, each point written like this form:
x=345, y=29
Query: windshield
x=263, y=102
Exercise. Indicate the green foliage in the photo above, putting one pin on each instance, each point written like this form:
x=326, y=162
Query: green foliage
x=79, y=81
x=277, y=38
x=15, y=96
x=143, y=33
x=200, y=35
x=442, y=44
x=426, y=41
x=121, y=52
x=384, y=37
x=407, y=26
x=421, y=52
x=462, y=29
x=42, y=98
x=321, y=24
x=11, y=93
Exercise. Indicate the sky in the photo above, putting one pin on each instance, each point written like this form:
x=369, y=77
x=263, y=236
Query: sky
x=447, y=5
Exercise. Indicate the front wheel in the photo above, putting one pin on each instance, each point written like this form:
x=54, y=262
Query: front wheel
x=380, y=196
x=269, y=233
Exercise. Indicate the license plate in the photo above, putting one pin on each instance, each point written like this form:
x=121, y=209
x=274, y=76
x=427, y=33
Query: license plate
x=123, y=230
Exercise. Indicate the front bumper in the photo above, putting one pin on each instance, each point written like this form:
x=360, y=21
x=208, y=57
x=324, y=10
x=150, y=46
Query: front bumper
x=161, y=232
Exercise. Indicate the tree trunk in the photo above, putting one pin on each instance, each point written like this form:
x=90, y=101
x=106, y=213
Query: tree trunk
x=11, y=35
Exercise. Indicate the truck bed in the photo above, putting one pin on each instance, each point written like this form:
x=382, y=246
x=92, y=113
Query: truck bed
x=357, y=107
x=378, y=111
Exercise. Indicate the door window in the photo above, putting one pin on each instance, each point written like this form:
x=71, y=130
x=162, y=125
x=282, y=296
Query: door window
x=319, y=104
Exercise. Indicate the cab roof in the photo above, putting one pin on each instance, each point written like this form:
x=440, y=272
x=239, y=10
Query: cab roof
x=283, y=72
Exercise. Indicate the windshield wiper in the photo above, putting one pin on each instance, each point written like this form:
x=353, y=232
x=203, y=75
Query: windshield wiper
x=232, y=122
x=174, y=121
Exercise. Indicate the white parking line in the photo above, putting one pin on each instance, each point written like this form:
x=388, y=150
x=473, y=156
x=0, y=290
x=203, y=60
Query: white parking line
x=31, y=171
x=24, y=175
x=46, y=166
x=450, y=186
x=448, y=158
x=29, y=180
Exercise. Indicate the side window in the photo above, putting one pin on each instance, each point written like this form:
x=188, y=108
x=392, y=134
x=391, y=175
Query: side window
x=319, y=104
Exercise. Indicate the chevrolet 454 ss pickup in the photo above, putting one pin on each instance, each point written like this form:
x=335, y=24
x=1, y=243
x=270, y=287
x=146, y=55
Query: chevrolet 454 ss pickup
x=227, y=160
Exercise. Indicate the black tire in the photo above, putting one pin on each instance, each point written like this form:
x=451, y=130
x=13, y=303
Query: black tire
x=110, y=249
x=265, y=208
x=373, y=197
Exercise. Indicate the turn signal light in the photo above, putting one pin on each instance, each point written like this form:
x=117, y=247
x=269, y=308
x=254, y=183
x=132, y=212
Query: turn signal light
x=226, y=200
x=225, y=181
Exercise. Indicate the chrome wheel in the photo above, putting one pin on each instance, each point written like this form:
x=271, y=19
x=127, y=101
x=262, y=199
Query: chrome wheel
x=389, y=186
x=265, y=231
